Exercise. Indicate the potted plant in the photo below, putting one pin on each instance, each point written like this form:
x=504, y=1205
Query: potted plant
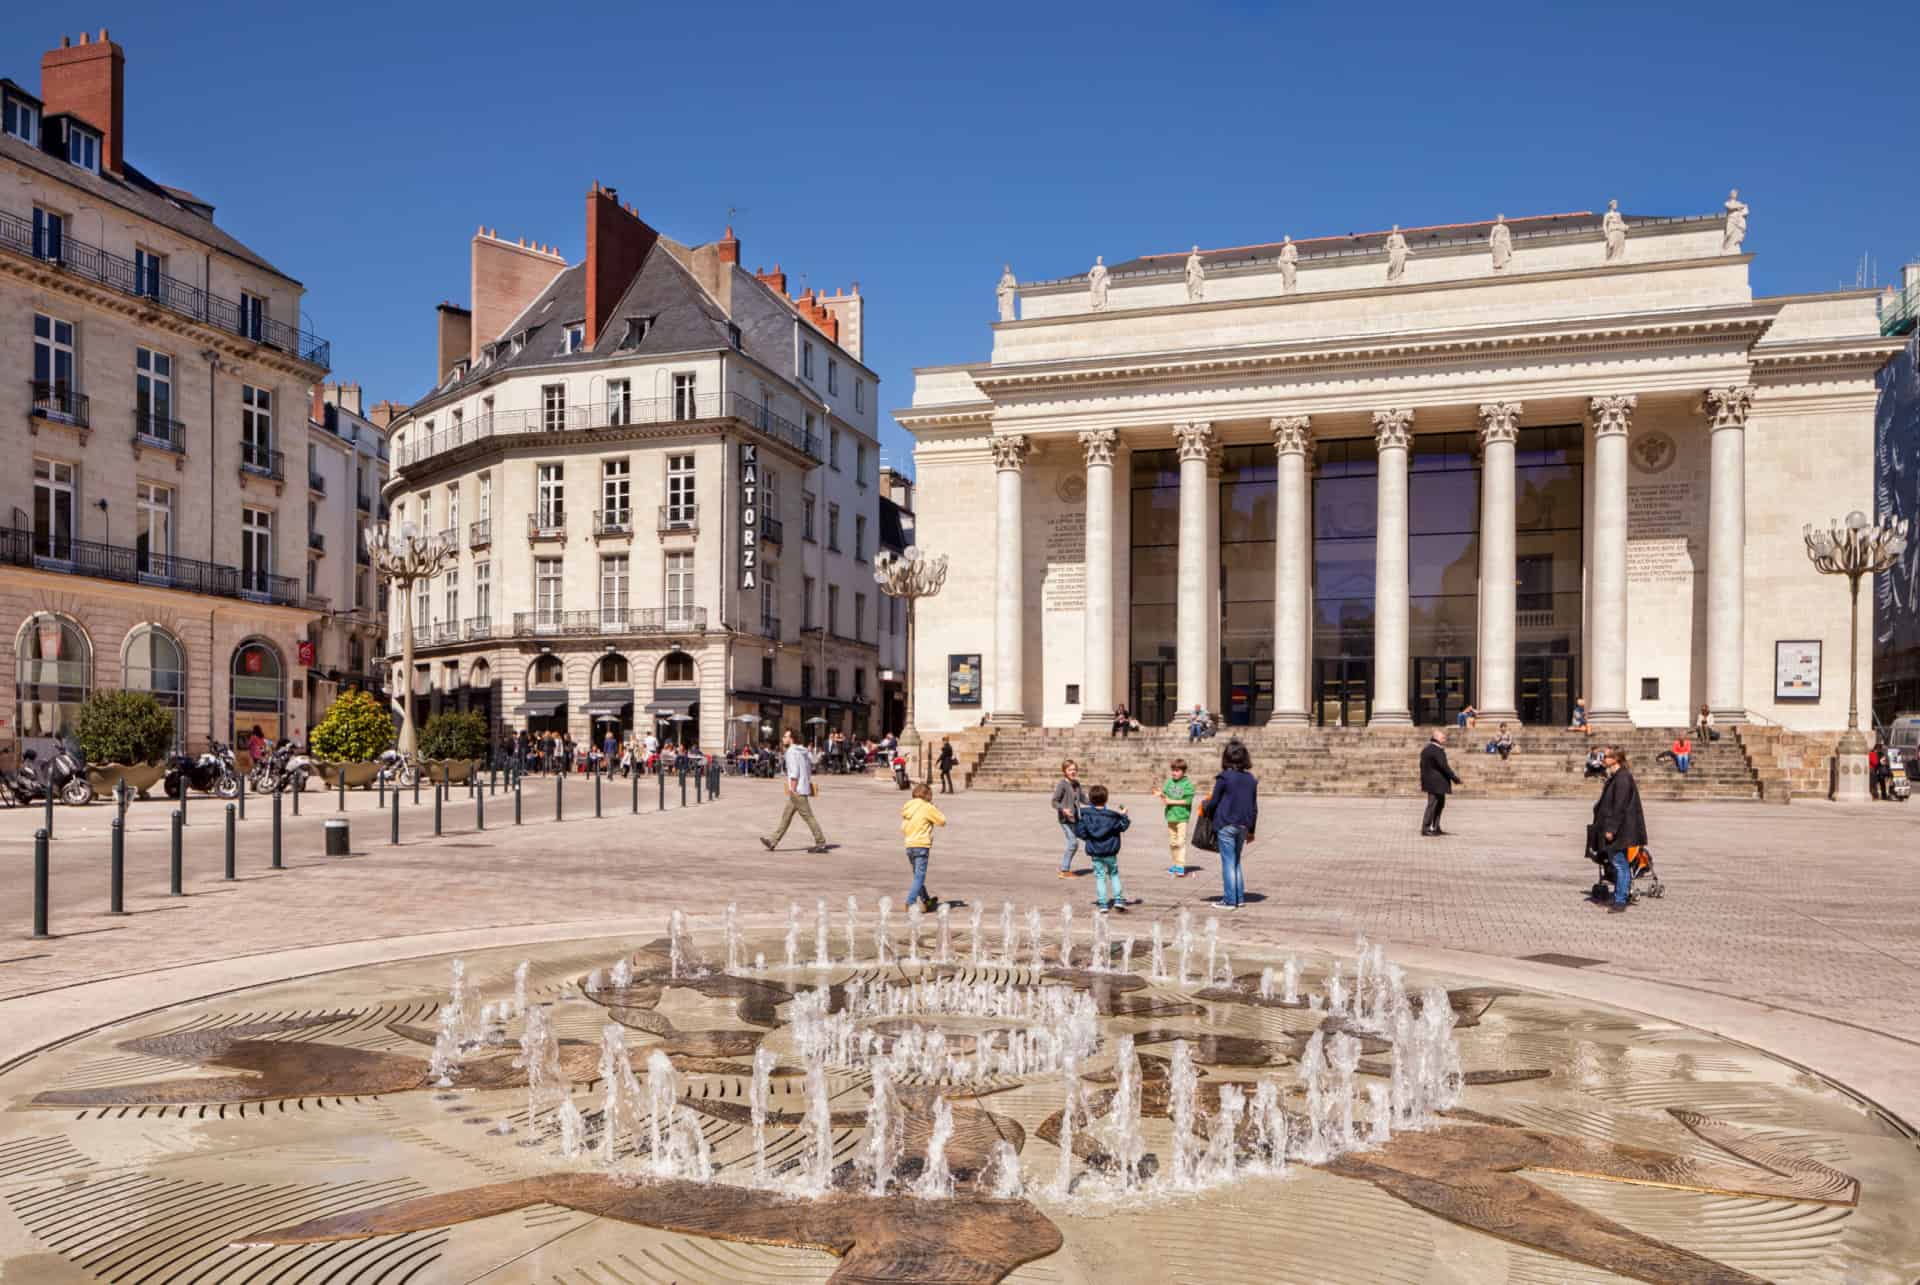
x=349, y=740
x=125, y=736
x=452, y=744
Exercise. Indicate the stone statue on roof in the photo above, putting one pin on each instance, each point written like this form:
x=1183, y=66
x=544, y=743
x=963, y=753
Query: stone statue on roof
x=1397, y=254
x=1004, y=292
x=1097, y=283
x=1613, y=226
x=1289, y=265
x=1736, y=230
x=1196, y=276
x=1500, y=243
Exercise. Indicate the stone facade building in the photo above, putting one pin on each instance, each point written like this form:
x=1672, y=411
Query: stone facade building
x=346, y=471
x=153, y=383
x=1376, y=479
x=660, y=472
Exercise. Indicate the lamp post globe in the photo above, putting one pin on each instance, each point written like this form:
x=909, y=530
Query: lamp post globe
x=911, y=576
x=1856, y=547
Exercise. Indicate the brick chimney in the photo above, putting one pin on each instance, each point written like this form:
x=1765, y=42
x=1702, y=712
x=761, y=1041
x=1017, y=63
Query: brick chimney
x=775, y=280
x=729, y=246
x=88, y=79
x=617, y=244
x=384, y=413
x=455, y=339
x=507, y=276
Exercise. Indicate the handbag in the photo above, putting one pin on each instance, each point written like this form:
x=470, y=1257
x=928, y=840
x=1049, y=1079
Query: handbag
x=1204, y=836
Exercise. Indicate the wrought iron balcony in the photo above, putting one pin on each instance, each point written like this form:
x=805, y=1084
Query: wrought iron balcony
x=159, y=432
x=613, y=521
x=447, y=631
x=49, y=552
x=772, y=530
x=262, y=462
x=548, y=525
x=479, y=627
x=58, y=402
x=612, y=620
x=317, y=482
x=679, y=517
x=480, y=534
x=102, y=267
x=449, y=536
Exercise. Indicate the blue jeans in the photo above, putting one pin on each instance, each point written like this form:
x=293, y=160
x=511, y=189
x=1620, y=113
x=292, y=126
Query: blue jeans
x=1232, y=890
x=1622, y=876
x=1073, y=845
x=1682, y=762
x=917, y=858
x=1105, y=870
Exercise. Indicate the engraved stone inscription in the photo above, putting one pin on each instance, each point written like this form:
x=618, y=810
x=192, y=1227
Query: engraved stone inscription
x=1660, y=527
x=1065, y=588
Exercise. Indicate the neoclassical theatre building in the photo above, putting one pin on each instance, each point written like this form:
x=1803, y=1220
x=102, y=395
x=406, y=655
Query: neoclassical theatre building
x=1374, y=479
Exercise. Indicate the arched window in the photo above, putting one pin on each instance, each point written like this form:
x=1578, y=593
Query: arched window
x=258, y=695
x=52, y=678
x=676, y=668
x=549, y=672
x=155, y=662
x=611, y=672
x=479, y=696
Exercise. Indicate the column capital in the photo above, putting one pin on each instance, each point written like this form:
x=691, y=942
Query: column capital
x=1194, y=440
x=1727, y=407
x=1393, y=428
x=1098, y=444
x=1292, y=434
x=1612, y=416
x=1009, y=451
x=1499, y=422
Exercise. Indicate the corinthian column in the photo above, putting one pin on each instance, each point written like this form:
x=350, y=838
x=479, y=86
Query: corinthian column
x=1499, y=426
x=1195, y=442
x=1726, y=411
x=1096, y=692
x=1292, y=439
x=1393, y=435
x=1009, y=631
x=1611, y=417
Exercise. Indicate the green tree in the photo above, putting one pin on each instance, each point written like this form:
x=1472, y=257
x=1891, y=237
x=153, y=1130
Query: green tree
x=460, y=737
x=124, y=727
x=357, y=727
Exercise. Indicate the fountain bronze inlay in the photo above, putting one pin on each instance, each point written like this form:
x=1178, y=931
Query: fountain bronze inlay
x=905, y=1105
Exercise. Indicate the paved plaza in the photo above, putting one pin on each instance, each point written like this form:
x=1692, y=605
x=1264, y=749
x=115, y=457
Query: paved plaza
x=1786, y=932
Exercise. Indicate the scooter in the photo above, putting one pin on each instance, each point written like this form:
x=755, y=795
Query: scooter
x=64, y=775
x=212, y=773
x=900, y=777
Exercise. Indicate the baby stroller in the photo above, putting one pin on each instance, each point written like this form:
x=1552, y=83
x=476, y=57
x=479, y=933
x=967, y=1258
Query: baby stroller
x=1646, y=883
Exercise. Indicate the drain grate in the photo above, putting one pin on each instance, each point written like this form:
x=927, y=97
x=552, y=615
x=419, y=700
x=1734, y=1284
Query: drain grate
x=1564, y=961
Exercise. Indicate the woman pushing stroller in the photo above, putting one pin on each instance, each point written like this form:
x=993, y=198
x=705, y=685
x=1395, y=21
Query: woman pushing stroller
x=1617, y=839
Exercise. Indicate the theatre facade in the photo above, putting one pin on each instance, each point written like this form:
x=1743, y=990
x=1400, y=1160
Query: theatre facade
x=1375, y=479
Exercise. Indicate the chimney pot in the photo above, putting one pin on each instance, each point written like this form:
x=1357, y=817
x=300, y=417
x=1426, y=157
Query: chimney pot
x=83, y=37
x=103, y=35
x=66, y=42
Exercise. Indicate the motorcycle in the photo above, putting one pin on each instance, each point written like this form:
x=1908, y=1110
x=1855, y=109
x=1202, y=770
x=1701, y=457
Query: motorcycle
x=396, y=769
x=900, y=776
x=212, y=773
x=64, y=775
x=288, y=767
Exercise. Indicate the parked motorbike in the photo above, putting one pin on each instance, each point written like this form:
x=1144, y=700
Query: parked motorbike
x=397, y=770
x=287, y=768
x=900, y=776
x=213, y=772
x=63, y=774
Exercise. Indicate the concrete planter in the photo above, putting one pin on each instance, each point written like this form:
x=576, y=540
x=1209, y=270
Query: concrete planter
x=359, y=775
x=140, y=777
x=452, y=771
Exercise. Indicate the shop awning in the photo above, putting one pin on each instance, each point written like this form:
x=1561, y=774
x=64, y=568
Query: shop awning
x=541, y=704
x=600, y=709
x=673, y=700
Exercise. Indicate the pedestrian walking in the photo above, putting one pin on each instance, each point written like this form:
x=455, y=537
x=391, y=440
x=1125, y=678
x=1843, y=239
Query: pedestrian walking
x=1437, y=779
x=1069, y=796
x=948, y=761
x=1620, y=826
x=917, y=820
x=1100, y=828
x=1176, y=796
x=1234, y=806
x=800, y=795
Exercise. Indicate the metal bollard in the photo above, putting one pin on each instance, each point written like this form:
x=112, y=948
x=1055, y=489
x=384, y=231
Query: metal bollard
x=241, y=798
x=49, y=825
x=297, y=792
x=343, y=793
x=395, y=836
x=117, y=869
x=439, y=792
x=121, y=795
x=699, y=782
x=683, y=783
x=185, y=790
x=596, y=796
x=176, y=860
x=559, y=796
x=416, y=787
x=635, y=778
x=516, y=799
x=278, y=863
x=40, y=883
x=231, y=811
x=479, y=809
x=382, y=782
x=660, y=776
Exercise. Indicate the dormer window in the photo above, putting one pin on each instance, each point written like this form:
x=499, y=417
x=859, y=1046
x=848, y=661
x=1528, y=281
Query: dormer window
x=487, y=354
x=519, y=341
x=574, y=337
x=83, y=148
x=637, y=328
x=21, y=119
x=733, y=335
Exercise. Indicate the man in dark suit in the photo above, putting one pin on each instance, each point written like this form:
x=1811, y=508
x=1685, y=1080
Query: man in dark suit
x=1437, y=779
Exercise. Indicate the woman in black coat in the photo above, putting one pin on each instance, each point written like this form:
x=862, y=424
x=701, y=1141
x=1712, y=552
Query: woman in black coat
x=1619, y=823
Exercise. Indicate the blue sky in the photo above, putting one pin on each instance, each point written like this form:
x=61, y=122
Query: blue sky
x=914, y=149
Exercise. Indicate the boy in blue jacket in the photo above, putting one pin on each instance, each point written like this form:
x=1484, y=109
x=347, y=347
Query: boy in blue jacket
x=1100, y=828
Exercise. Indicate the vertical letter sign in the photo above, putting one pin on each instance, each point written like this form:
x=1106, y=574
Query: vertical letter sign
x=749, y=519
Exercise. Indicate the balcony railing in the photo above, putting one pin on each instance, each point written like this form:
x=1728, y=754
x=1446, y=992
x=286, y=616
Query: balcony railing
x=317, y=541
x=480, y=534
x=550, y=525
x=262, y=462
x=447, y=631
x=613, y=521
x=479, y=627
x=59, y=403
x=773, y=531
x=679, y=517
x=648, y=620
x=159, y=433
x=22, y=548
x=450, y=536
x=1899, y=314
x=317, y=482
x=105, y=268
x=663, y=410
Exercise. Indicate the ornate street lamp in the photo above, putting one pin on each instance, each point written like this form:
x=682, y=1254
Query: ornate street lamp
x=1859, y=547
x=404, y=557
x=912, y=577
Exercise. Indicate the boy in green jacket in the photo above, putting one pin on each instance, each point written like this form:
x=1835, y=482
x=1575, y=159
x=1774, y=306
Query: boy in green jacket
x=1177, y=796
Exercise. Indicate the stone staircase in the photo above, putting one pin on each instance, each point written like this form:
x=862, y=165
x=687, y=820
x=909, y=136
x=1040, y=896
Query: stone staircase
x=1546, y=763
x=1790, y=765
